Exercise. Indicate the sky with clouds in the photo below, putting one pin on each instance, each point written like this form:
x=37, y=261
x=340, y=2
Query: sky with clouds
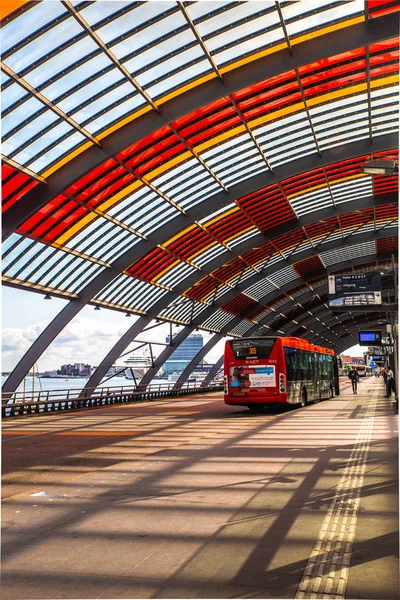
x=87, y=338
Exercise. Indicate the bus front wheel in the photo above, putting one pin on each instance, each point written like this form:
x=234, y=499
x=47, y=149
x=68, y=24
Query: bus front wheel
x=303, y=401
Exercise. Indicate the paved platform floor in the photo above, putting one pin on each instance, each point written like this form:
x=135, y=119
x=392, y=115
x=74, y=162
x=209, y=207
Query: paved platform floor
x=190, y=498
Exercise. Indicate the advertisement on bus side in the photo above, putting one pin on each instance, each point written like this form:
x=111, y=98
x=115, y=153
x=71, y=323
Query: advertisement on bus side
x=252, y=377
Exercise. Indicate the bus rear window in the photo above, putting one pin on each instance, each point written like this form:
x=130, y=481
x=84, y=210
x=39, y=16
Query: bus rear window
x=244, y=349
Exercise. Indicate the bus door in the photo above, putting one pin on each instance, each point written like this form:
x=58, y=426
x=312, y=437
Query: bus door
x=336, y=375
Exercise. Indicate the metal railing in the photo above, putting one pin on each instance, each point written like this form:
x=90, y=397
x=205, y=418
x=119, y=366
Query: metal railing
x=16, y=404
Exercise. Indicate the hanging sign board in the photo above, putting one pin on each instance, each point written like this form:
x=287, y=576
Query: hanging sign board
x=366, y=338
x=355, y=289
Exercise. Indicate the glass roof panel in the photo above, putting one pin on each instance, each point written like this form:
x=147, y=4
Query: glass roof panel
x=32, y=129
x=301, y=16
x=38, y=48
x=60, y=62
x=79, y=74
x=204, y=8
x=97, y=11
x=40, y=144
x=142, y=13
x=10, y=95
x=112, y=97
x=16, y=117
x=158, y=51
x=246, y=47
x=90, y=90
x=184, y=76
x=114, y=114
x=63, y=146
x=20, y=28
x=231, y=16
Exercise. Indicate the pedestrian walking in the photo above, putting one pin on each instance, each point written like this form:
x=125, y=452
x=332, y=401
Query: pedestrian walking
x=354, y=377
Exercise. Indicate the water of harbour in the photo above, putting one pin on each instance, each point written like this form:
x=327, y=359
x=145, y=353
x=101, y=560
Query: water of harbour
x=74, y=383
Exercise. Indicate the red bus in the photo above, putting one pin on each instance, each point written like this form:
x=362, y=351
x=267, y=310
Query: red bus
x=269, y=370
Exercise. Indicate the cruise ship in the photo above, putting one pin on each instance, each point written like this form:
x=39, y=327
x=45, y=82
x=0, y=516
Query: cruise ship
x=137, y=365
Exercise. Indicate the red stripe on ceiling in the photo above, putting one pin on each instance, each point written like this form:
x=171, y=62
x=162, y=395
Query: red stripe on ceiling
x=238, y=304
x=146, y=142
x=232, y=225
x=18, y=195
x=42, y=214
x=6, y=171
x=207, y=121
x=110, y=190
x=102, y=169
x=331, y=62
x=387, y=245
x=267, y=208
x=201, y=113
x=156, y=155
x=13, y=184
x=254, y=312
x=255, y=256
x=193, y=242
x=356, y=218
x=309, y=266
x=289, y=239
x=151, y=265
x=257, y=89
x=230, y=270
x=322, y=228
x=202, y=289
x=214, y=130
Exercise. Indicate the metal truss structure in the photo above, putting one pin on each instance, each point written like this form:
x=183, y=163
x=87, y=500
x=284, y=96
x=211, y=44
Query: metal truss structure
x=197, y=163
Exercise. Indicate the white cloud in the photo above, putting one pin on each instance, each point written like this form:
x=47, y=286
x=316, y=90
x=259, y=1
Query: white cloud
x=85, y=339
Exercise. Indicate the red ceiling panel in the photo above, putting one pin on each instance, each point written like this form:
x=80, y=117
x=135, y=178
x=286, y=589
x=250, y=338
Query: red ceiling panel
x=193, y=242
x=202, y=289
x=387, y=245
x=230, y=270
x=267, y=207
x=151, y=265
x=309, y=267
x=238, y=304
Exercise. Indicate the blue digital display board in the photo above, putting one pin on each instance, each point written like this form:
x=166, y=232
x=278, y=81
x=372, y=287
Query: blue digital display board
x=370, y=338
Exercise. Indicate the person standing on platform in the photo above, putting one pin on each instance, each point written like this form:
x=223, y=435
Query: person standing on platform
x=354, y=377
x=389, y=382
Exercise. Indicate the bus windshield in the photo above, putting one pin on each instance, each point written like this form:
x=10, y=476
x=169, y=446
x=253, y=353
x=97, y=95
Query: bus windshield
x=257, y=348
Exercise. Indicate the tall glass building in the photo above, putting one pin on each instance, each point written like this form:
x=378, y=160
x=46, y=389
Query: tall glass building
x=182, y=356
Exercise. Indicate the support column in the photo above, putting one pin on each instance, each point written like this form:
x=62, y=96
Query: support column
x=214, y=370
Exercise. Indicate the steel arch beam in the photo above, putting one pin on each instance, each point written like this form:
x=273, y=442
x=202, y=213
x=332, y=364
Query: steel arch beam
x=195, y=361
x=214, y=371
x=343, y=40
x=115, y=353
x=166, y=353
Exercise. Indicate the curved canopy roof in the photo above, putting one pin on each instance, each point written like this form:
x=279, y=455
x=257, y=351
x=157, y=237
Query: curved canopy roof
x=197, y=162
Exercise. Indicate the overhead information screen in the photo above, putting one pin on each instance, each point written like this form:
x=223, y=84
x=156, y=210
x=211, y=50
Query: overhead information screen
x=366, y=338
x=355, y=289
